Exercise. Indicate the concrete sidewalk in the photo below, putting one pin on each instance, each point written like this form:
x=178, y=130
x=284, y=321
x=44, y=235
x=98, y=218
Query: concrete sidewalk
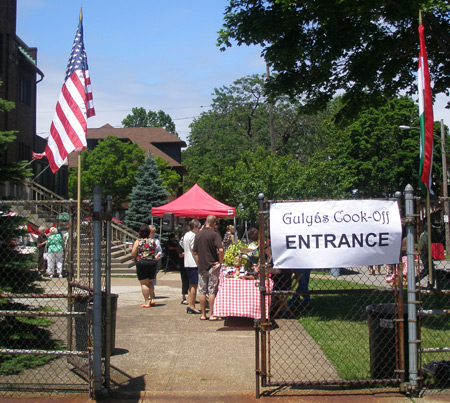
x=164, y=354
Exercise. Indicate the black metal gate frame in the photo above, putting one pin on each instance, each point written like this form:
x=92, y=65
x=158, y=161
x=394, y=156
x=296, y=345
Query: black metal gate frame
x=263, y=326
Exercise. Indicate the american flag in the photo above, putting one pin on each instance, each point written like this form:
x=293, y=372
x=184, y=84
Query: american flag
x=75, y=105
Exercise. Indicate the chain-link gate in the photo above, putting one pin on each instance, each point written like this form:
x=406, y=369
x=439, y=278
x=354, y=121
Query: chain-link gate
x=433, y=302
x=46, y=298
x=348, y=327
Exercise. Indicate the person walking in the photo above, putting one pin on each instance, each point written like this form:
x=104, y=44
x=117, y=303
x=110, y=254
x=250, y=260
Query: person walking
x=146, y=254
x=208, y=252
x=190, y=265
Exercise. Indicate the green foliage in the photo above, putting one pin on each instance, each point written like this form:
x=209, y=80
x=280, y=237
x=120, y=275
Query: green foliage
x=278, y=178
x=14, y=172
x=318, y=47
x=113, y=165
x=147, y=193
x=17, y=276
x=171, y=180
x=380, y=157
x=24, y=333
x=232, y=252
x=141, y=118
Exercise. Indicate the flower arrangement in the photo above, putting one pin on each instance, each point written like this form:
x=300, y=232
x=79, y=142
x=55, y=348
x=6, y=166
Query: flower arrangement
x=233, y=252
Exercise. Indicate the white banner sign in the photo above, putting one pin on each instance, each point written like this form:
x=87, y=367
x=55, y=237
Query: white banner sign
x=328, y=234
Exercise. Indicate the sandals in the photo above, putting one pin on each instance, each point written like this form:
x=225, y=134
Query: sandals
x=184, y=302
x=145, y=305
x=189, y=310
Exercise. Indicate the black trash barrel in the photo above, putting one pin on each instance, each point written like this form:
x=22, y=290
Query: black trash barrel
x=114, y=298
x=382, y=341
x=442, y=279
x=81, y=323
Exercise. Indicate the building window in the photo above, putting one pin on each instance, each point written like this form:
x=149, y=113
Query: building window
x=24, y=152
x=25, y=90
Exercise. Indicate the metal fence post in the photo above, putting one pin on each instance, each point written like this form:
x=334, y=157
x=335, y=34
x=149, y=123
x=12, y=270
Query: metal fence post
x=411, y=277
x=262, y=369
x=108, y=293
x=400, y=306
x=97, y=309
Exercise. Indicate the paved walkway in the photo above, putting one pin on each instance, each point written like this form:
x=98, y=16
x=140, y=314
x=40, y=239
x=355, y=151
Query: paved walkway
x=163, y=354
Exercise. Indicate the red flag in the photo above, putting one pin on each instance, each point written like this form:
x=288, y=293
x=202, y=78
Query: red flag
x=75, y=105
x=426, y=117
x=37, y=156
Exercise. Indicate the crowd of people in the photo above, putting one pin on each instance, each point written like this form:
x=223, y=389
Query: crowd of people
x=200, y=251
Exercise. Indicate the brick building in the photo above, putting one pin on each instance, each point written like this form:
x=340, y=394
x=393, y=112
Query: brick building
x=19, y=75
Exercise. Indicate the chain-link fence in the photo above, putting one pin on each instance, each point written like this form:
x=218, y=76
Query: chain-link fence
x=348, y=327
x=333, y=327
x=46, y=291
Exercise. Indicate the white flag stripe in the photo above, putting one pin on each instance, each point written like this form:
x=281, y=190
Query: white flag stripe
x=69, y=126
x=420, y=78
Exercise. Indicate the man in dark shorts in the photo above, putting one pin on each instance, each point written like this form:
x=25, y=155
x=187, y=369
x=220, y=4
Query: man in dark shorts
x=208, y=252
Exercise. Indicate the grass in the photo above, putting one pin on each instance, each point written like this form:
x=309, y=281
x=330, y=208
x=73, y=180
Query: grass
x=29, y=333
x=339, y=325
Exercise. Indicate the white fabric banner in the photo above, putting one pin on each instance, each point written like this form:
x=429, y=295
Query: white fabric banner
x=329, y=234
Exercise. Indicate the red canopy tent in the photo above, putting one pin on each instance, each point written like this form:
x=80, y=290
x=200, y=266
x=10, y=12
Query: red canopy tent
x=195, y=203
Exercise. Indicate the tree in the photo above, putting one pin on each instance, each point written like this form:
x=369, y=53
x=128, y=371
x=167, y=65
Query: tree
x=16, y=275
x=365, y=47
x=113, y=165
x=239, y=121
x=279, y=178
x=14, y=172
x=147, y=193
x=171, y=180
x=380, y=157
x=141, y=118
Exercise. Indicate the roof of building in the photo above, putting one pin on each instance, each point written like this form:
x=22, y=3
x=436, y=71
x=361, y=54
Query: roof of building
x=146, y=138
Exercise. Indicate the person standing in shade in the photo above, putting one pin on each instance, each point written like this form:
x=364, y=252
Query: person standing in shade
x=41, y=241
x=423, y=251
x=55, y=253
x=228, y=238
x=208, y=252
x=191, y=265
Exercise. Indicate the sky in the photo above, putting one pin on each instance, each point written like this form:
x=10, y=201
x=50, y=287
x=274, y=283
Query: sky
x=155, y=54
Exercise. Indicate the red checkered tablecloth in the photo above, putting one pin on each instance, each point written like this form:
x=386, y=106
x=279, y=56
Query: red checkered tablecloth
x=237, y=297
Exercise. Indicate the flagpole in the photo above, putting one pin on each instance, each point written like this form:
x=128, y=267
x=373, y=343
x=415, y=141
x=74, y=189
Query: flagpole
x=79, y=198
x=430, y=257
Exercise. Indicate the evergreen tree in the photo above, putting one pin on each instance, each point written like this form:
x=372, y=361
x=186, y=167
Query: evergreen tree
x=17, y=274
x=14, y=172
x=147, y=193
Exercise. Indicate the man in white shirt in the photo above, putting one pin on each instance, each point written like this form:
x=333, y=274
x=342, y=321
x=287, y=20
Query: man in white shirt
x=191, y=265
